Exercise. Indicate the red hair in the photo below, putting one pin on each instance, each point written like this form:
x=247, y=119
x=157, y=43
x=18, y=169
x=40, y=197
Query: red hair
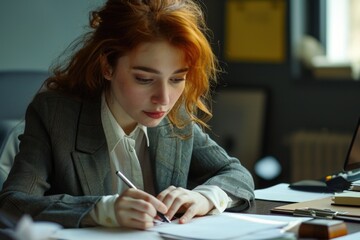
x=122, y=25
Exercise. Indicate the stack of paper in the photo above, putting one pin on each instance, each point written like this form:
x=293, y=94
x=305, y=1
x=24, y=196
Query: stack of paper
x=224, y=226
x=282, y=193
x=355, y=186
x=349, y=198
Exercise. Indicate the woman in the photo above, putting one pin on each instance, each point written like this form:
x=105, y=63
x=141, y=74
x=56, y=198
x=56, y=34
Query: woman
x=132, y=98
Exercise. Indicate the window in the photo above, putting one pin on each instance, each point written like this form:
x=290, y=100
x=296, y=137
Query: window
x=354, y=43
x=330, y=47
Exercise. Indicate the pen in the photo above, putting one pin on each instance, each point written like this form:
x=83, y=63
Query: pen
x=131, y=185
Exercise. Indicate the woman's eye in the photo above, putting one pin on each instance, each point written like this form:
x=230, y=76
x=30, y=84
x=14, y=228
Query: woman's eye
x=177, y=80
x=144, y=80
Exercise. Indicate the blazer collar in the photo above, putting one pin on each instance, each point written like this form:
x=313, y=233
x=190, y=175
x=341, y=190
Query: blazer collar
x=91, y=156
x=90, y=137
x=165, y=154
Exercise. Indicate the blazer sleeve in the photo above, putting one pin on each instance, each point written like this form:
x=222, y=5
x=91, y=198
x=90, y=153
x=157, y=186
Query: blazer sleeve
x=33, y=186
x=211, y=165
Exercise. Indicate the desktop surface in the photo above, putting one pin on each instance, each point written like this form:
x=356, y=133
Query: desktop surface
x=264, y=207
x=258, y=207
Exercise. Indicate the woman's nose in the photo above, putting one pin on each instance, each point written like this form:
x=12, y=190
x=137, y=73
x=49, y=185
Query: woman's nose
x=161, y=95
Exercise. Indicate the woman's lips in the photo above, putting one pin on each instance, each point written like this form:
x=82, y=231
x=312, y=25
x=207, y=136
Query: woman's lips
x=155, y=115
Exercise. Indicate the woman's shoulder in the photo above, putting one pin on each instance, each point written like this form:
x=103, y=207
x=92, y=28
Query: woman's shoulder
x=50, y=94
x=50, y=97
x=50, y=102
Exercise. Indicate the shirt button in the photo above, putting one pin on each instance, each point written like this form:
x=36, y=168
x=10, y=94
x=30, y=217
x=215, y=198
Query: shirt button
x=222, y=203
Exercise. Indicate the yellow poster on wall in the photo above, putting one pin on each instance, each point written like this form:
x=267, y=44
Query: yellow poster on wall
x=255, y=30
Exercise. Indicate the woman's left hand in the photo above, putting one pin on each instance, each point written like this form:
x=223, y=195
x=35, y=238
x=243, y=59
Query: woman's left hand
x=182, y=200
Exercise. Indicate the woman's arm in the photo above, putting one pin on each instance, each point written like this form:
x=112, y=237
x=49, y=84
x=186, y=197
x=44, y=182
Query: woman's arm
x=215, y=176
x=211, y=165
x=43, y=181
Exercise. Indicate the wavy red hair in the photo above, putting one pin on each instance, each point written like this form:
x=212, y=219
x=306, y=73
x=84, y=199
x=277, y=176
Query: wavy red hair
x=120, y=26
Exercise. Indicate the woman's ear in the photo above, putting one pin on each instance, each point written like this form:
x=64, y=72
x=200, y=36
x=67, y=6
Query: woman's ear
x=106, y=68
x=107, y=74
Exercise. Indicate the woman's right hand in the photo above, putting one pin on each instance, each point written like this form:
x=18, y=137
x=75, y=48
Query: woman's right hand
x=137, y=209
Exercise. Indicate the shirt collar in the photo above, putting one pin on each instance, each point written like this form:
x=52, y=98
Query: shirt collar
x=113, y=131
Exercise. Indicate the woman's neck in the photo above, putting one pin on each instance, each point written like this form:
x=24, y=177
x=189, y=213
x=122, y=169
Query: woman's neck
x=127, y=124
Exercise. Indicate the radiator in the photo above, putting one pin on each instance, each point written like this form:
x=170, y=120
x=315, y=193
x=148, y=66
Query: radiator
x=314, y=155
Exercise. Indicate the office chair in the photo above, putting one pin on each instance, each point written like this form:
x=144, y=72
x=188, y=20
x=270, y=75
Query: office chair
x=17, y=88
x=9, y=149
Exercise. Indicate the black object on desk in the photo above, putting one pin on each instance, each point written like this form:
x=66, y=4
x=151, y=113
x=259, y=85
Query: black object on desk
x=342, y=180
x=310, y=186
x=335, y=184
x=338, y=184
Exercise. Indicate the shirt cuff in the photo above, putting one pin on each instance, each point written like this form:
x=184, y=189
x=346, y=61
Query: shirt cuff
x=217, y=196
x=104, y=213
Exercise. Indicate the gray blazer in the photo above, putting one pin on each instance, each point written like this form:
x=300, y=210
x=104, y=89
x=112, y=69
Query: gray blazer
x=63, y=166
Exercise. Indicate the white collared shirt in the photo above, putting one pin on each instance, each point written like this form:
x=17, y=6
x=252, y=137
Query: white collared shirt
x=125, y=152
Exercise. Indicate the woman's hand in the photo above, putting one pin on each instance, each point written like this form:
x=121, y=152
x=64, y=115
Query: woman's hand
x=137, y=209
x=182, y=200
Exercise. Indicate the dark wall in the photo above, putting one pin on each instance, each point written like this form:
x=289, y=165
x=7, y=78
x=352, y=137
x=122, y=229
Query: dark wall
x=294, y=102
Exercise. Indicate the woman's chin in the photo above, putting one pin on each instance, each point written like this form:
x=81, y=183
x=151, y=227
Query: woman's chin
x=152, y=123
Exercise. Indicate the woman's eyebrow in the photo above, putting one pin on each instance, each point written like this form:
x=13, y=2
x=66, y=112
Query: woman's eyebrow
x=152, y=70
x=182, y=70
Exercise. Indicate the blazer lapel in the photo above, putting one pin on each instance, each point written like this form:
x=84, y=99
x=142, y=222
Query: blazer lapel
x=165, y=155
x=91, y=157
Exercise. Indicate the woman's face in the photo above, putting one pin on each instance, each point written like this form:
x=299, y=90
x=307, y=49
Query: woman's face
x=146, y=84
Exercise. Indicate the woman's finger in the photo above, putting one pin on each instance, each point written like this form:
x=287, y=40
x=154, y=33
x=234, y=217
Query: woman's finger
x=161, y=196
x=137, y=209
x=139, y=194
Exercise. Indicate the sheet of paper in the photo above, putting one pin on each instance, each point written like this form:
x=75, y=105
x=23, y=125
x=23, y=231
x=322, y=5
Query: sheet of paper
x=282, y=193
x=355, y=186
x=274, y=218
x=270, y=234
x=291, y=221
x=224, y=226
x=350, y=236
x=356, y=183
x=104, y=233
x=221, y=226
